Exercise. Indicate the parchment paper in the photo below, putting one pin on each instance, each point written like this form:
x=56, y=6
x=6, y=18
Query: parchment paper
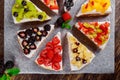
x=102, y=63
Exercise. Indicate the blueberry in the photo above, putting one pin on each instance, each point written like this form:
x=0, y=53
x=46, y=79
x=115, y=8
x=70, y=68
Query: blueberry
x=47, y=27
x=29, y=32
x=15, y=14
x=59, y=21
x=24, y=3
x=31, y=39
x=44, y=33
x=40, y=17
x=26, y=10
x=9, y=64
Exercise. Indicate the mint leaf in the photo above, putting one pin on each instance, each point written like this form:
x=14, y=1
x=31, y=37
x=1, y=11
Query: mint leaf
x=13, y=71
x=4, y=77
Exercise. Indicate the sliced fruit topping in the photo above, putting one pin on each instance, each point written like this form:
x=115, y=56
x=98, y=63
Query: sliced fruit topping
x=50, y=45
x=47, y=27
x=57, y=49
x=57, y=58
x=55, y=41
x=26, y=51
x=33, y=46
x=40, y=60
x=22, y=34
x=56, y=66
x=25, y=43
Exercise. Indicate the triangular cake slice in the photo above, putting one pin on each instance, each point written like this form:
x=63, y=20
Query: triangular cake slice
x=95, y=8
x=98, y=32
x=79, y=55
x=26, y=11
x=31, y=39
x=68, y=4
x=51, y=56
x=52, y=4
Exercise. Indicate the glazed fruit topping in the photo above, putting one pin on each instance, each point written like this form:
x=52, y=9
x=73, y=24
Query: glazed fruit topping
x=50, y=56
x=22, y=34
x=47, y=27
x=15, y=14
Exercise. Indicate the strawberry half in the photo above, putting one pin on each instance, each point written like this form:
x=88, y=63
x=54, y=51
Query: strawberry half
x=66, y=16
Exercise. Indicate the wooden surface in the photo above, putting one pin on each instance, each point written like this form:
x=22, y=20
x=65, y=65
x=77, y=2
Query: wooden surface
x=115, y=76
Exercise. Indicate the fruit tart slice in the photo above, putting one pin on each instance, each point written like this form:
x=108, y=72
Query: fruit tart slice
x=31, y=39
x=26, y=11
x=51, y=56
x=52, y=4
x=79, y=55
x=68, y=4
x=98, y=32
x=95, y=8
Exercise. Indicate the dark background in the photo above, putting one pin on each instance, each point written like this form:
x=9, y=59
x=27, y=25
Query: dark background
x=115, y=76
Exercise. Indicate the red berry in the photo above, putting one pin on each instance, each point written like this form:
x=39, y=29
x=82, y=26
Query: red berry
x=57, y=58
x=49, y=45
x=47, y=2
x=50, y=54
x=55, y=40
x=40, y=61
x=57, y=49
x=66, y=16
x=43, y=53
x=56, y=66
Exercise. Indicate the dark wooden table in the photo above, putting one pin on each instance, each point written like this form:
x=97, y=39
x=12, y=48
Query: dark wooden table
x=115, y=76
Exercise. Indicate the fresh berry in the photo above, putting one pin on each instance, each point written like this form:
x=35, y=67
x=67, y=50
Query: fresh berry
x=66, y=16
x=29, y=32
x=38, y=38
x=57, y=58
x=31, y=40
x=57, y=49
x=55, y=40
x=60, y=21
x=24, y=43
x=47, y=27
x=33, y=46
x=24, y=3
x=44, y=33
x=9, y=64
x=49, y=45
x=26, y=51
x=47, y=2
x=56, y=66
x=15, y=14
x=40, y=16
x=26, y=10
x=40, y=61
x=43, y=53
x=22, y=34
x=50, y=54
x=35, y=30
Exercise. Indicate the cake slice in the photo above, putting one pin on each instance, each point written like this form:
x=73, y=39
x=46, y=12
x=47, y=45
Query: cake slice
x=68, y=4
x=51, y=56
x=79, y=55
x=52, y=4
x=98, y=32
x=95, y=8
x=31, y=39
x=26, y=11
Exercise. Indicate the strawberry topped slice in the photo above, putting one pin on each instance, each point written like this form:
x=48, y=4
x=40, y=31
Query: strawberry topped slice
x=51, y=56
x=52, y=4
x=98, y=32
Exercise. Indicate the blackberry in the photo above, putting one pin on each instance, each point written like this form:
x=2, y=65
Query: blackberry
x=9, y=64
x=47, y=27
x=31, y=40
x=29, y=32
